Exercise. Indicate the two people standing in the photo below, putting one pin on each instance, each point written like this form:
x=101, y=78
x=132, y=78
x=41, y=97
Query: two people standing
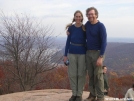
x=90, y=55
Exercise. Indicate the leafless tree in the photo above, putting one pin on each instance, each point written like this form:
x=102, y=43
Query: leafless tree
x=26, y=50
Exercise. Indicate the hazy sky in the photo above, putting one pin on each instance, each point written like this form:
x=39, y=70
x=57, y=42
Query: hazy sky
x=116, y=15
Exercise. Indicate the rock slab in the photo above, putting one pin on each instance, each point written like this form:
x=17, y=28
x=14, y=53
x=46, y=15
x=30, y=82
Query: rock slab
x=41, y=95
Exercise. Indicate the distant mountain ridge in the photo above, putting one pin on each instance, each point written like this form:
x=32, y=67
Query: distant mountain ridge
x=120, y=57
x=62, y=40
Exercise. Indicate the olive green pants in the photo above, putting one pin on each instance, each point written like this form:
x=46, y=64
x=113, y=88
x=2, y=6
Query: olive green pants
x=96, y=81
x=77, y=73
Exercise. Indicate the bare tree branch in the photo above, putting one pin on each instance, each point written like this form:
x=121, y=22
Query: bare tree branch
x=30, y=48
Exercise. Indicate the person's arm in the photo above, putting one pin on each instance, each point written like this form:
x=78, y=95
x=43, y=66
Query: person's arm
x=67, y=45
x=85, y=34
x=86, y=40
x=67, y=32
x=103, y=35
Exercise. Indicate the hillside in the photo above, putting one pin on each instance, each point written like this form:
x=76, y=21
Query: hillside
x=120, y=57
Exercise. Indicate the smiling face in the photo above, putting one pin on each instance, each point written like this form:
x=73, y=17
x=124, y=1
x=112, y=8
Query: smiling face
x=78, y=18
x=91, y=15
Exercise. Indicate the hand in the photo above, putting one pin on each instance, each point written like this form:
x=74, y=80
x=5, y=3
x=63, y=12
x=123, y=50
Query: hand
x=99, y=62
x=67, y=33
x=65, y=59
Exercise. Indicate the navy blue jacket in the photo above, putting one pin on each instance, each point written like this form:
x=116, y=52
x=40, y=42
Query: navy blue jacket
x=76, y=36
x=96, y=36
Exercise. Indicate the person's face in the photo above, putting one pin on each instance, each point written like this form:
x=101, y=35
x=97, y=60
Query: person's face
x=105, y=70
x=91, y=16
x=78, y=17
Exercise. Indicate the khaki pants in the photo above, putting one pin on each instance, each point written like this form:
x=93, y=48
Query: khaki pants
x=96, y=81
x=77, y=73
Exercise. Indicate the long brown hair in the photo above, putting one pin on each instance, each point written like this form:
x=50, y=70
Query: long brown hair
x=70, y=24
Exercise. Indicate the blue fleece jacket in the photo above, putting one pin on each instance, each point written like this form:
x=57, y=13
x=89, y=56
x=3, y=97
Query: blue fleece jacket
x=96, y=36
x=76, y=36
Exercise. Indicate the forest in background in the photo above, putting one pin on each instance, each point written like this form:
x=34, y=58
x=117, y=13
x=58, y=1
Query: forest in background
x=58, y=79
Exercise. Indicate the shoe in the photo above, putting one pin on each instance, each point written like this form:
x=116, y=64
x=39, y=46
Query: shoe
x=91, y=98
x=72, y=98
x=78, y=98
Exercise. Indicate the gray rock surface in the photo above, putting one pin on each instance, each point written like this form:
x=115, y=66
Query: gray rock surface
x=41, y=95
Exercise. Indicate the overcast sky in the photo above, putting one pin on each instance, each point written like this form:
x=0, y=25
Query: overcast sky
x=116, y=15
